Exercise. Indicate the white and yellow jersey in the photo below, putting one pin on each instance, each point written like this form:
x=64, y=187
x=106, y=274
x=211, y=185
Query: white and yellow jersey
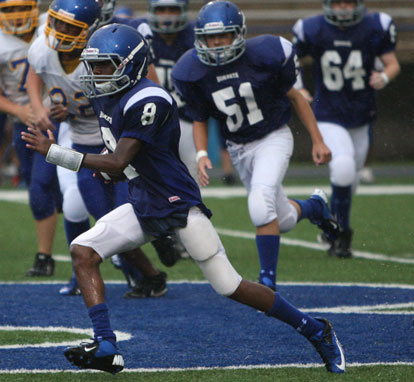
x=64, y=88
x=14, y=67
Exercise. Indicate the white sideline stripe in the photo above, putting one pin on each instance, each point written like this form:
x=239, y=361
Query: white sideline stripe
x=367, y=309
x=202, y=282
x=21, y=196
x=318, y=247
x=121, y=336
x=364, y=190
x=240, y=367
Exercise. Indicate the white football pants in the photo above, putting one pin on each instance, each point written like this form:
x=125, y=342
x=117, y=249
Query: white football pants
x=262, y=165
x=349, y=151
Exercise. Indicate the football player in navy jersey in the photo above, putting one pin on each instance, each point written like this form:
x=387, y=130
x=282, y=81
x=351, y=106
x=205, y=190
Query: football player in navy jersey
x=172, y=36
x=140, y=125
x=343, y=43
x=247, y=85
x=55, y=66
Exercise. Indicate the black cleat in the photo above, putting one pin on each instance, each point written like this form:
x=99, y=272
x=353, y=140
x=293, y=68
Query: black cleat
x=155, y=286
x=341, y=246
x=96, y=355
x=44, y=265
x=228, y=179
x=167, y=250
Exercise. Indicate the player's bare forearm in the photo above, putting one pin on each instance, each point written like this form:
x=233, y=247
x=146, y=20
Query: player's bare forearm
x=320, y=152
x=34, y=86
x=200, y=133
x=392, y=67
x=305, y=114
x=379, y=80
x=113, y=163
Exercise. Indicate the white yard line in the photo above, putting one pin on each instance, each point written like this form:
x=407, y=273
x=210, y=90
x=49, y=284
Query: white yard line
x=176, y=369
x=231, y=192
x=318, y=246
x=121, y=336
x=21, y=196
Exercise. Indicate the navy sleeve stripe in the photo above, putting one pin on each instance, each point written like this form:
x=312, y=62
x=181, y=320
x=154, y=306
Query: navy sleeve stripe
x=147, y=92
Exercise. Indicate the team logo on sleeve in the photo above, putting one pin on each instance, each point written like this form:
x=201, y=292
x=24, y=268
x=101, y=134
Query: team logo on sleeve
x=173, y=199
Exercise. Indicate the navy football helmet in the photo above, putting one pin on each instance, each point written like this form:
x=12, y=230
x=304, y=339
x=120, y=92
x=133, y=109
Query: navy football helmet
x=220, y=17
x=107, y=11
x=125, y=48
x=168, y=23
x=18, y=17
x=341, y=17
x=70, y=23
x=124, y=12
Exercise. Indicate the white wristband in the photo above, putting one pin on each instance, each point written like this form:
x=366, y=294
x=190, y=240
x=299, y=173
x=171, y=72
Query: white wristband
x=200, y=154
x=385, y=78
x=64, y=157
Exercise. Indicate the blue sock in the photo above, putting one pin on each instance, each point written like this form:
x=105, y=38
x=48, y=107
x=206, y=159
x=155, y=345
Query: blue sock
x=129, y=271
x=311, y=209
x=302, y=322
x=101, y=325
x=73, y=230
x=268, y=250
x=341, y=205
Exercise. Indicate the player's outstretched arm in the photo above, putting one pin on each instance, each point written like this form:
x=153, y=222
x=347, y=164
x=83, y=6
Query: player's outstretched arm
x=115, y=163
x=34, y=86
x=200, y=132
x=320, y=152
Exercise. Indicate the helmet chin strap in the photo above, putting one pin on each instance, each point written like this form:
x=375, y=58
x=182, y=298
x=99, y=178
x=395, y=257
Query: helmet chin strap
x=132, y=54
x=139, y=75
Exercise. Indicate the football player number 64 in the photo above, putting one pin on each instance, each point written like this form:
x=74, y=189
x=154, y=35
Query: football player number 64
x=334, y=75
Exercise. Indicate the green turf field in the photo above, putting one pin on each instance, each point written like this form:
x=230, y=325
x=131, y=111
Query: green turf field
x=383, y=224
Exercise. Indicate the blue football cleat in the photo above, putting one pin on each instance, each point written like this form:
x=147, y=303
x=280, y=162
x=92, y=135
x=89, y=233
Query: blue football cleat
x=327, y=223
x=266, y=280
x=102, y=355
x=329, y=348
x=71, y=288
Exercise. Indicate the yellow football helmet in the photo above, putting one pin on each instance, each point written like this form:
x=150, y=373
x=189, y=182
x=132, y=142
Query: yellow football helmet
x=18, y=17
x=70, y=23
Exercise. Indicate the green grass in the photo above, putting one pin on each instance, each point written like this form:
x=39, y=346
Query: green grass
x=34, y=337
x=382, y=224
x=355, y=374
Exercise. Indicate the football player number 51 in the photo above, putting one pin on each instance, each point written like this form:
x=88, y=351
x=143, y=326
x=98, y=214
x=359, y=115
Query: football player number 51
x=233, y=111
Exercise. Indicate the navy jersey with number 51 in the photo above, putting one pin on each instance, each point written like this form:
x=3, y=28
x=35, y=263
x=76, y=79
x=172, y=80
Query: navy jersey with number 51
x=247, y=96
